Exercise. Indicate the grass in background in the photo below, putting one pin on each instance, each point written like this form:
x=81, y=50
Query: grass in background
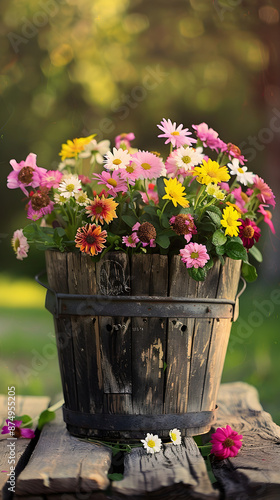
x=29, y=360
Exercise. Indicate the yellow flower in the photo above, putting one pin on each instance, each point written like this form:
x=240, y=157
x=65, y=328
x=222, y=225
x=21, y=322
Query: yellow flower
x=211, y=171
x=214, y=190
x=102, y=209
x=72, y=148
x=175, y=192
x=230, y=221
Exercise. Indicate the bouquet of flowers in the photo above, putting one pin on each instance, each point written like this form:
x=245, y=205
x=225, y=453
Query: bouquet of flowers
x=187, y=204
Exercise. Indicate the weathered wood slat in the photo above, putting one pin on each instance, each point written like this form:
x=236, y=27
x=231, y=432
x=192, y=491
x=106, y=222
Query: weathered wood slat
x=149, y=277
x=174, y=472
x=255, y=472
x=29, y=405
x=61, y=464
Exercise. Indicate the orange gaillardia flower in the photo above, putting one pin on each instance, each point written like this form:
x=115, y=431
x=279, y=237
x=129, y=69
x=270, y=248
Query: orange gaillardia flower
x=90, y=239
x=102, y=209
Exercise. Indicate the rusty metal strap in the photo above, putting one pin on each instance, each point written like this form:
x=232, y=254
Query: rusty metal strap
x=138, y=306
x=111, y=422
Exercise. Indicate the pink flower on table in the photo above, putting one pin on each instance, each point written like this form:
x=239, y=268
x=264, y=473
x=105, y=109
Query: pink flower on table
x=176, y=135
x=51, y=179
x=19, y=244
x=150, y=165
x=267, y=216
x=112, y=181
x=249, y=232
x=39, y=205
x=123, y=140
x=194, y=255
x=26, y=173
x=130, y=241
x=225, y=442
x=265, y=194
x=14, y=429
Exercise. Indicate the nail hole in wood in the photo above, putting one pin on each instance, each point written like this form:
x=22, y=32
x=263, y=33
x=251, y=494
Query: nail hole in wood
x=183, y=328
x=109, y=328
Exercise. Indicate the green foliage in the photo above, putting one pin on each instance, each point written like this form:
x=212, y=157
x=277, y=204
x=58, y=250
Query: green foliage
x=249, y=272
x=45, y=417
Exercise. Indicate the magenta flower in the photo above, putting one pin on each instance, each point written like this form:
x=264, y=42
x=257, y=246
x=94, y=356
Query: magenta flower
x=13, y=428
x=19, y=244
x=265, y=194
x=225, y=442
x=112, y=181
x=267, y=216
x=150, y=165
x=145, y=233
x=51, y=179
x=84, y=179
x=183, y=224
x=130, y=241
x=26, y=173
x=249, y=232
x=123, y=140
x=151, y=195
x=194, y=255
x=176, y=135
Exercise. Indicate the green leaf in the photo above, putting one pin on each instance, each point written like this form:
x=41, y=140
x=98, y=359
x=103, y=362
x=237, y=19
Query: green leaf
x=219, y=238
x=249, y=272
x=207, y=226
x=221, y=259
x=214, y=217
x=165, y=221
x=205, y=449
x=26, y=420
x=209, y=264
x=160, y=188
x=116, y=476
x=220, y=250
x=254, y=251
x=164, y=366
x=215, y=210
x=209, y=470
x=198, y=274
x=129, y=220
x=163, y=241
x=236, y=251
x=45, y=417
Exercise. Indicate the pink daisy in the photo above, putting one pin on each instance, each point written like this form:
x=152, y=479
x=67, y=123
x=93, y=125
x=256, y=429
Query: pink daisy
x=249, y=232
x=194, y=255
x=176, y=135
x=224, y=186
x=130, y=241
x=84, y=179
x=208, y=136
x=123, y=140
x=51, y=179
x=241, y=198
x=26, y=173
x=39, y=205
x=112, y=181
x=267, y=216
x=265, y=194
x=131, y=172
x=225, y=442
x=151, y=195
x=14, y=427
x=151, y=165
x=19, y=244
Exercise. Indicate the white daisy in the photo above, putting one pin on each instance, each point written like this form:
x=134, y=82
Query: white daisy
x=59, y=198
x=69, y=186
x=118, y=159
x=175, y=436
x=186, y=157
x=82, y=198
x=241, y=172
x=95, y=150
x=68, y=162
x=152, y=443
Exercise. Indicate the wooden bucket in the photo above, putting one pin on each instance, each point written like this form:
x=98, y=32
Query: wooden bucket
x=141, y=345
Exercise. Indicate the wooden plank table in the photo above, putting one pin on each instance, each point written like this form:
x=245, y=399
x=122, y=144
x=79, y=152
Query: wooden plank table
x=62, y=466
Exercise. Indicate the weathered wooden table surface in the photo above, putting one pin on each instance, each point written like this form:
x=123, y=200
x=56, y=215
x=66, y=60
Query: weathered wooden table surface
x=62, y=466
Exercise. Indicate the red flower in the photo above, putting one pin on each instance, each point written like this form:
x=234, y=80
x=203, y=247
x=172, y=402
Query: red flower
x=249, y=233
x=90, y=239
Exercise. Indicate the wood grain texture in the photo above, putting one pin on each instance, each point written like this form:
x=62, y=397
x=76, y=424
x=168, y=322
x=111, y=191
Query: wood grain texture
x=149, y=277
x=25, y=405
x=255, y=472
x=62, y=464
x=172, y=473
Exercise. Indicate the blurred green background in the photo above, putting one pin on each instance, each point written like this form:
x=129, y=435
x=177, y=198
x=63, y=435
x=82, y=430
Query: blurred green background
x=69, y=69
